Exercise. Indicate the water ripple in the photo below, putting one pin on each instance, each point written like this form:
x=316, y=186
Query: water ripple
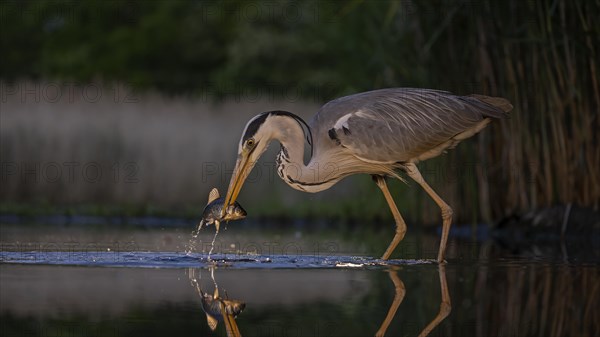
x=196, y=260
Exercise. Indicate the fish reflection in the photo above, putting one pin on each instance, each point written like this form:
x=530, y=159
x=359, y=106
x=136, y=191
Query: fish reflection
x=445, y=304
x=217, y=308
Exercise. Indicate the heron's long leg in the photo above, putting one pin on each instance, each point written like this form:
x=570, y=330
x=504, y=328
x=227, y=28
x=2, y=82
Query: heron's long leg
x=445, y=304
x=413, y=172
x=398, y=297
x=400, y=224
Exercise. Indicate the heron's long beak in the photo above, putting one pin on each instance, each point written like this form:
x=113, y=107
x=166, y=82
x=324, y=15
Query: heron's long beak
x=243, y=166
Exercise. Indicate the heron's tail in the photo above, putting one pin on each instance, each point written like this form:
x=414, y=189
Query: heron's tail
x=498, y=102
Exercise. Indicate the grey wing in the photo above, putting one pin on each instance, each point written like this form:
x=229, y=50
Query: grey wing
x=400, y=125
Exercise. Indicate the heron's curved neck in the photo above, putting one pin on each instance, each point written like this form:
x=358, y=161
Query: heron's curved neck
x=312, y=177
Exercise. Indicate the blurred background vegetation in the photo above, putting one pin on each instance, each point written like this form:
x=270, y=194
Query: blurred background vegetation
x=179, y=79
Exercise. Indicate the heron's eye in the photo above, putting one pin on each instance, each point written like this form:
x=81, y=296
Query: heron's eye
x=250, y=142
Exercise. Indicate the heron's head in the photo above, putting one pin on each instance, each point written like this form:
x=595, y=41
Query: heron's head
x=257, y=135
x=254, y=142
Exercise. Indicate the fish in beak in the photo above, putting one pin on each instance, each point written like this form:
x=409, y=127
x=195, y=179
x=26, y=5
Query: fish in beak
x=213, y=212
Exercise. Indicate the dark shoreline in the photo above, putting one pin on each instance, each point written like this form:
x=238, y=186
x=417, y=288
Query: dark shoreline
x=545, y=224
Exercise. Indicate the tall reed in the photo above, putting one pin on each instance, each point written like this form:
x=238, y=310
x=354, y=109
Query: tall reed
x=543, y=57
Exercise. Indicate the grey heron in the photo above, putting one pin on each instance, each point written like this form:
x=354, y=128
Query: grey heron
x=380, y=132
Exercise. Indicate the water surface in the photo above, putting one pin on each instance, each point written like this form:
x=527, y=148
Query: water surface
x=96, y=281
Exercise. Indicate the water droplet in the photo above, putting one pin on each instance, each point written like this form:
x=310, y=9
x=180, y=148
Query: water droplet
x=212, y=245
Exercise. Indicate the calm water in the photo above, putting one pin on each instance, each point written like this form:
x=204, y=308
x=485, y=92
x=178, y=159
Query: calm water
x=102, y=281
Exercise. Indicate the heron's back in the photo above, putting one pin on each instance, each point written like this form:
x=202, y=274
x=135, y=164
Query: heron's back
x=403, y=124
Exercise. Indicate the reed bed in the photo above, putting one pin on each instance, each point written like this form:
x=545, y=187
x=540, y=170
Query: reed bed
x=552, y=142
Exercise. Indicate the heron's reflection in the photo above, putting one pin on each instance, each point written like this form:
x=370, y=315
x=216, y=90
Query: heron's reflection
x=222, y=309
x=217, y=308
x=445, y=304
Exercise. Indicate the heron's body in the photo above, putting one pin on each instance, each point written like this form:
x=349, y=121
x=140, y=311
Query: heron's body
x=377, y=132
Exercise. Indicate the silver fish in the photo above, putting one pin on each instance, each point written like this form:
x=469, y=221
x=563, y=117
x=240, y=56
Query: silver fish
x=212, y=211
